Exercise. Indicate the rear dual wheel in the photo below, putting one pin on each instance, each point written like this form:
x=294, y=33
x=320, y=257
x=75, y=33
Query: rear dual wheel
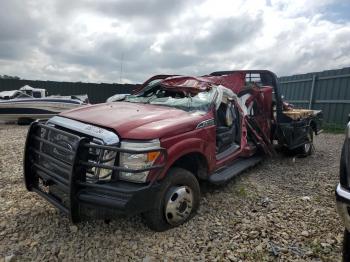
x=177, y=201
x=306, y=149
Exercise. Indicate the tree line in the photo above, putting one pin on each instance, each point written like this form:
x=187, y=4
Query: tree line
x=9, y=77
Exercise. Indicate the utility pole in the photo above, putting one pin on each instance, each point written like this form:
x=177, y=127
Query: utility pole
x=121, y=68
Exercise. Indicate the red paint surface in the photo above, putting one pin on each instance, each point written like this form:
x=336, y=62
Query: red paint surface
x=137, y=121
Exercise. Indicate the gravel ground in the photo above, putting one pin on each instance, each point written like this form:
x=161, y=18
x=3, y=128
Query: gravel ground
x=281, y=210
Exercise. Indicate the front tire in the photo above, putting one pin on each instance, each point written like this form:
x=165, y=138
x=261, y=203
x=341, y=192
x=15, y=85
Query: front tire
x=176, y=203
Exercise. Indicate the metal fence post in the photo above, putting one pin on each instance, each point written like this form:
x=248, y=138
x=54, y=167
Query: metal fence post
x=311, y=98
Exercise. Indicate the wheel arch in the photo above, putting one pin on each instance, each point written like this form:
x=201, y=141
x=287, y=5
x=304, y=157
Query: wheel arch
x=195, y=162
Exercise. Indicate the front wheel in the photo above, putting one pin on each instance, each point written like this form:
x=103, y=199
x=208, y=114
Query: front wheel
x=177, y=201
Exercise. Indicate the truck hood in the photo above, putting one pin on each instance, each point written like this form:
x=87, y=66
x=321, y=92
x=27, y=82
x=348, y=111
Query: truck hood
x=137, y=121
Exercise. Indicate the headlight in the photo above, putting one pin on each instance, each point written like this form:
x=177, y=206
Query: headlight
x=107, y=159
x=101, y=156
x=138, y=161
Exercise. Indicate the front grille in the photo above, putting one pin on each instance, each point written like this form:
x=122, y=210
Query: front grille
x=52, y=153
x=56, y=151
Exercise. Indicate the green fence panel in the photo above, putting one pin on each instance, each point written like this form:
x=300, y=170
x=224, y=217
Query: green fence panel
x=328, y=91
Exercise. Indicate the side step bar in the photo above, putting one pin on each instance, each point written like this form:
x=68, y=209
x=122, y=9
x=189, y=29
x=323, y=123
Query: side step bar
x=223, y=175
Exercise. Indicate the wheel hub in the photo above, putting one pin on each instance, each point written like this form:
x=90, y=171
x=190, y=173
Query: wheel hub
x=307, y=145
x=178, y=205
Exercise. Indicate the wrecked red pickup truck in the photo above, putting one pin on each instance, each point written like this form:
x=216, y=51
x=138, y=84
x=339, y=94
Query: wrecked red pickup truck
x=147, y=152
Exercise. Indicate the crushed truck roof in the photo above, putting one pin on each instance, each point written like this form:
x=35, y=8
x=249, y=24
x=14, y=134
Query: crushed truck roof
x=233, y=81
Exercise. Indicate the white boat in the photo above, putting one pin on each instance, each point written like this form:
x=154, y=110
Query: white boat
x=28, y=104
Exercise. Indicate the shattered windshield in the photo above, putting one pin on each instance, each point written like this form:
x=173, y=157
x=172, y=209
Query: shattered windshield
x=155, y=95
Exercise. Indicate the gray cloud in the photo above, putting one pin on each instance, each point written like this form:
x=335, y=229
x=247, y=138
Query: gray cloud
x=151, y=9
x=228, y=33
x=19, y=30
x=55, y=40
x=150, y=15
x=16, y=23
x=222, y=35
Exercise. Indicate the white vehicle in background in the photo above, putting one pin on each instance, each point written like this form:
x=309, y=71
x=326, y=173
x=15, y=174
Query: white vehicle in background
x=28, y=104
x=24, y=92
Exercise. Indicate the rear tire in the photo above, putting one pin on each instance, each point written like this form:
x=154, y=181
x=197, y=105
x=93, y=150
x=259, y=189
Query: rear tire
x=177, y=201
x=307, y=148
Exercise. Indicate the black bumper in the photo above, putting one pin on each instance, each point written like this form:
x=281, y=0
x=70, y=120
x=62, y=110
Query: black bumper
x=62, y=180
x=104, y=202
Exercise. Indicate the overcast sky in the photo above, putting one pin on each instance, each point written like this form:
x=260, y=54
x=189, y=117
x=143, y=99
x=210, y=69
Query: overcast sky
x=90, y=40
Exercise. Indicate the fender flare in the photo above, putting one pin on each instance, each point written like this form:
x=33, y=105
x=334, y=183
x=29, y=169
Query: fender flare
x=187, y=146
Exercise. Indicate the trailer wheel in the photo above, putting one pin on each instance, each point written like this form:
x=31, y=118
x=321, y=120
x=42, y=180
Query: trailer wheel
x=177, y=201
x=306, y=149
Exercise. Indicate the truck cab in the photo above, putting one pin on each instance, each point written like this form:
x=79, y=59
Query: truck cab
x=147, y=152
